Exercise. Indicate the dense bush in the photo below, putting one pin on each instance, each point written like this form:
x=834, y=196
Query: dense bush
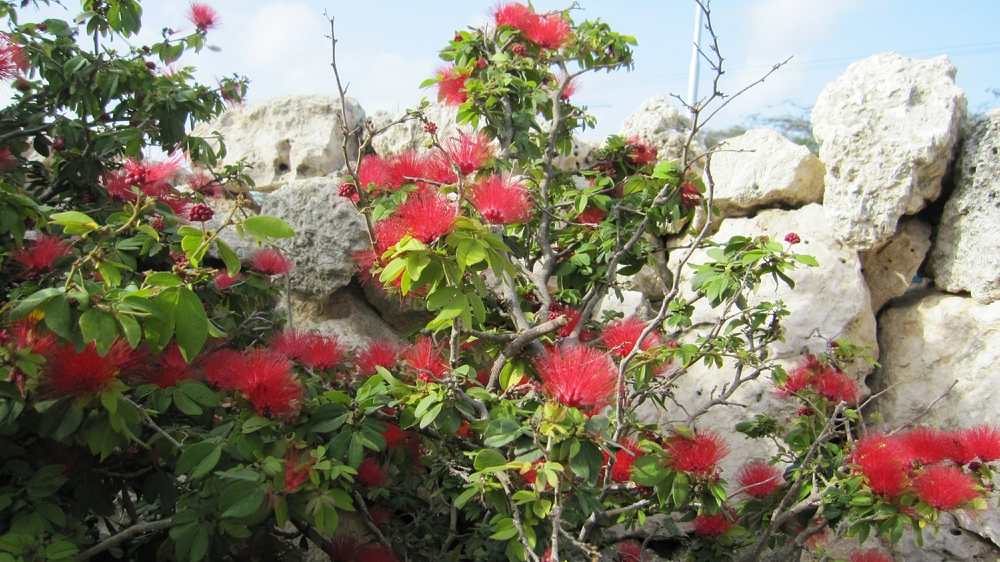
x=153, y=408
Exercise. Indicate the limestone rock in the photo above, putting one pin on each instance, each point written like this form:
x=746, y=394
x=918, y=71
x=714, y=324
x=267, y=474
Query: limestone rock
x=344, y=314
x=410, y=135
x=405, y=315
x=631, y=303
x=966, y=254
x=952, y=543
x=286, y=138
x=244, y=247
x=888, y=127
x=659, y=123
x=929, y=342
x=889, y=270
x=761, y=168
x=329, y=229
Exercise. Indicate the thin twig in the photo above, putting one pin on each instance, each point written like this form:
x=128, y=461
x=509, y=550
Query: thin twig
x=137, y=529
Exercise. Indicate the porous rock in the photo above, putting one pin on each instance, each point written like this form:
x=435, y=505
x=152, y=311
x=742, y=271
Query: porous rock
x=660, y=124
x=761, y=168
x=286, y=138
x=888, y=127
x=345, y=314
x=966, y=254
x=890, y=270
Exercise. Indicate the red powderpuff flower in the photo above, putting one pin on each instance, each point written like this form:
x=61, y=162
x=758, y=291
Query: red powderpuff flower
x=375, y=353
x=267, y=382
x=591, y=215
x=426, y=359
x=223, y=281
x=620, y=337
x=512, y=14
x=296, y=474
x=40, y=255
x=571, y=88
x=342, y=549
x=222, y=367
x=26, y=336
x=270, y=262
x=371, y=474
x=375, y=552
x=428, y=216
x=945, y=487
x=68, y=373
x=759, y=479
x=577, y=375
x=697, y=455
x=624, y=457
x=690, y=195
x=396, y=439
x=315, y=351
x=379, y=515
x=572, y=315
x=13, y=59
x=374, y=174
x=438, y=169
x=836, y=386
x=406, y=167
x=981, y=442
x=451, y=85
x=547, y=31
x=711, y=525
x=881, y=461
x=869, y=555
x=926, y=445
x=631, y=551
x=641, y=153
x=388, y=232
x=501, y=200
x=202, y=16
x=165, y=369
x=469, y=151
x=150, y=176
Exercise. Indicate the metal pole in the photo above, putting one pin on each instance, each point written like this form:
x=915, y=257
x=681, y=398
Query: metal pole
x=692, y=96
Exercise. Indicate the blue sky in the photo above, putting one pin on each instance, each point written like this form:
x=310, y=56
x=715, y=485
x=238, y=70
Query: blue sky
x=386, y=48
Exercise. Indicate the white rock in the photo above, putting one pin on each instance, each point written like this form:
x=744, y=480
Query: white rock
x=410, y=135
x=659, y=123
x=344, y=314
x=889, y=270
x=951, y=543
x=329, y=229
x=929, y=342
x=888, y=127
x=631, y=303
x=761, y=168
x=286, y=138
x=966, y=254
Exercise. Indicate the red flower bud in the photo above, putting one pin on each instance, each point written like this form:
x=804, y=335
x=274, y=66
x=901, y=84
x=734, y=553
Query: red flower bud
x=792, y=238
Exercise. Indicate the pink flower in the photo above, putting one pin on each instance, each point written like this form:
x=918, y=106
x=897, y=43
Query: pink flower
x=945, y=487
x=371, y=474
x=315, y=351
x=373, y=173
x=13, y=59
x=68, y=373
x=577, y=375
x=202, y=16
x=792, y=238
x=501, y=200
x=981, y=442
x=223, y=281
x=296, y=474
x=512, y=14
x=451, y=85
x=40, y=254
x=428, y=216
x=425, y=358
x=469, y=151
x=267, y=382
x=405, y=168
x=165, y=369
x=270, y=262
x=759, y=479
x=27, y=337
x=376, y=353
x=869, y=555
x=711, y=525
x=698, y=455
x=881, y=461
x=621, y=336
x=547, y=31
x=151, y=177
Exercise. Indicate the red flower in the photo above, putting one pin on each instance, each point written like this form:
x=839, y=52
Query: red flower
x=374, y=174
x=469, y=151
x=426, y=359
x=501, y=200
x=428, y=216
x=202, y=16
x=631, y=551
x=697, y=455
x=620, y=337
x=451, y=85
x=296, y=474
x=223, y=281
x=591, y=215
x=376, y=353
x=641, y=153
x=690, y=195
x=371, y=474
x=926, y=445
x=379, y=515
x=711, y=525
x=342, y=549
x=151, y=177
x=624, y=457
x=881, y=461
x=571, y=88
x=315, y=351
x=577, y=375
x=204, y=184
x=375, y=552
x=547, y=31
x=267, y=382
x=270, y=262
x=165, y=369
x=68, y=373
x=792, y=238
x=945, y=487
x=40, y=255
x=222, y=367
x=981, y=442
x=759, y=479
x=26, y=336
x=13, y=59
x=836, y=386
x=798, y=380
x=512, y=14
x=404, y=168
x=869, y=555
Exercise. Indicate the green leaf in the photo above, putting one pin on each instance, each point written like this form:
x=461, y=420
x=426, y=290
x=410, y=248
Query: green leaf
x=806, y=260
x=193, y=455
x=131, y=329
x=207, y=464
x=187, y=405
x=34, y=301
x=230, y=258
x=163, y=279
x=192, y=324
x=202, y=540
x=59, y=317
x=242, y=499
x=647, y=470
x=464, y=497
x=501, y=432
x=99, y=327
x=199, y=393
x=271, y=227
x=488, y=458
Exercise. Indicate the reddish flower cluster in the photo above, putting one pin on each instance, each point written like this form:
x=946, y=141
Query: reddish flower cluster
x=869, y=555
x=711, y=525
x=624, y=457
x=501, y=200
x=792, y=238
x=152, y=178
x=425, y=359
x=165, y=369
x=200, y=213
x=945, y=487
x=202, y=16
x=577, y=375
x=620, y=337
x=221, y=368
x=270, y=262
x=759, y=479
x=296, y=473
x=402, y=443
x=262, y=376
x=641, y=153
x=13, y=59
x=314, y=351
x=697, y=455
x=428, y=216
x=223, y=281
x=881, y=461
x=591, y=215
x=347, y=549
x=829, y=382
x=68, y=373
x=549, y=31
x=451, y=85
x=40, y=255
x=375, y=353
x=631, y=551
x=469, y=151
x=690, y=195
x=371, y=474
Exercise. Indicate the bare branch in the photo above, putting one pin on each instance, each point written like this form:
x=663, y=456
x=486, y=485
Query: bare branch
x=115, y=540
